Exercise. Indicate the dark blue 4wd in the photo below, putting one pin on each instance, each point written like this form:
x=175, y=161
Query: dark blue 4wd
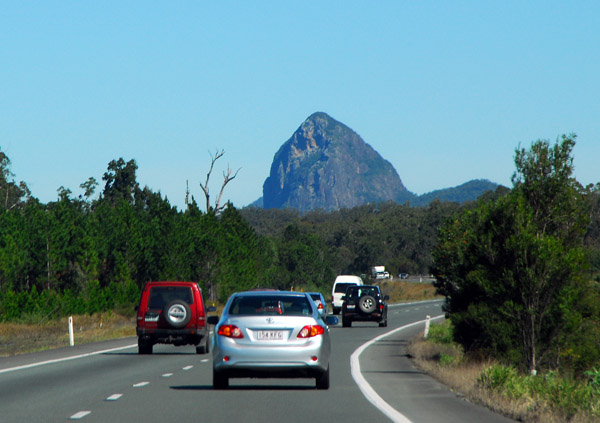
x=364, y=303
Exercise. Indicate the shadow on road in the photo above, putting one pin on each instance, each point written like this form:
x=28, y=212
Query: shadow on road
x=246, y=388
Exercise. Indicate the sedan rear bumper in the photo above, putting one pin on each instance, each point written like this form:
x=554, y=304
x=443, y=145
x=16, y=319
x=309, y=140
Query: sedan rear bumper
x=305, y=360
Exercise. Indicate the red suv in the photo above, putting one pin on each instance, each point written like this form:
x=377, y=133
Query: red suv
x=172, y=313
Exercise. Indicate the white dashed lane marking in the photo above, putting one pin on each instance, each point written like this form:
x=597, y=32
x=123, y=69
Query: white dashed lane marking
x=140, y=384
x=80, y=415
x=188, y=367
x=167, y=375
x=114, y=397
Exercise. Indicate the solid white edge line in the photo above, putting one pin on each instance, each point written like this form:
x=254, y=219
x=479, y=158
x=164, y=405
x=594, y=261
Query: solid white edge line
x=58, y=360
x=364, y=386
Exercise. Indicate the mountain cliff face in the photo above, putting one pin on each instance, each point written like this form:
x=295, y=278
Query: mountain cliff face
x=326, y=165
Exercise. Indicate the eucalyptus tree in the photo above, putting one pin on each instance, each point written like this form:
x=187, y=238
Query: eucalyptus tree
x=513, y=269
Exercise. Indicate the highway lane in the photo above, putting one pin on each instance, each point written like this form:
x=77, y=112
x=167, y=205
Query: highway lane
x=414, y=395
x=175, y=383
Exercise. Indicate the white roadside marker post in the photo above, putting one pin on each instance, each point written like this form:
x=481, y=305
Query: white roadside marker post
x=427, y=320
x=71, y=336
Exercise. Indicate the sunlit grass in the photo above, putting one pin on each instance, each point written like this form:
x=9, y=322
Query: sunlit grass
x=19, y=338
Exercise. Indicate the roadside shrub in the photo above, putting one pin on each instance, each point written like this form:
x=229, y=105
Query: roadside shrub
x=503, y=379
x=441, y=333
x=447, y=360
x=567, y=397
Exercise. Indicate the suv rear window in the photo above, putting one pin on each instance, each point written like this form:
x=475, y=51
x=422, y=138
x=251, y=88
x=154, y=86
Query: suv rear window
x=160, y=296
x=359, y=291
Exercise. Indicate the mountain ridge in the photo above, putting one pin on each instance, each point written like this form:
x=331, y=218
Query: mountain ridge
x=326, y=165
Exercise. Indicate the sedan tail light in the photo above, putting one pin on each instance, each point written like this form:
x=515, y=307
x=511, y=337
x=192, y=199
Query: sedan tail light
x=230, y=331
x=309, y=331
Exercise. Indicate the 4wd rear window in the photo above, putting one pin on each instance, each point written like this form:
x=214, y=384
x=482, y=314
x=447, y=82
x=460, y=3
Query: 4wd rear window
x=359, y=291
x=160, y=296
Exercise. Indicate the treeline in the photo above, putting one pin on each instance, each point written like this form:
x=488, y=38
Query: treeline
x=84, y=255
x=80, y=256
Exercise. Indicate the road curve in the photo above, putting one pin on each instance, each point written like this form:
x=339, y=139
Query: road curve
x=109, y=381
x=401, y=391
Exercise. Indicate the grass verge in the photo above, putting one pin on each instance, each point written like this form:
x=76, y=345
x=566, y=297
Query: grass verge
x=20, y=338
x=30, y=336
x=544, y=398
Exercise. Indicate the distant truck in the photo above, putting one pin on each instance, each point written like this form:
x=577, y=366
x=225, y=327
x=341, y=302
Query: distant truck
x=379, y=272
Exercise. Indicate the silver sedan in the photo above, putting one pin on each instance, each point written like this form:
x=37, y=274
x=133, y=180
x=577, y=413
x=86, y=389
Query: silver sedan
x=271, y=334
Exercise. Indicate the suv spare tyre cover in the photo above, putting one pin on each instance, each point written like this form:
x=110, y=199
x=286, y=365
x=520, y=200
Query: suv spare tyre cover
x=177, y=314
x=367, y=304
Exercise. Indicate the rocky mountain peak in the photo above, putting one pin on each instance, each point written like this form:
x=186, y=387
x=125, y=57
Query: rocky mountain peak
x=326, y=165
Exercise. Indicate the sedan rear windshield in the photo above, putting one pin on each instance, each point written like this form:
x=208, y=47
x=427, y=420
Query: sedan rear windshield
x=270, y=306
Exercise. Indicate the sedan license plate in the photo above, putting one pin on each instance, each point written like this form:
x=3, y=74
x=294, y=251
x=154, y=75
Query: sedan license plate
x=269, y=335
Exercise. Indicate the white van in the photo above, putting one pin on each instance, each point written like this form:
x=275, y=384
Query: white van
x=342, y=282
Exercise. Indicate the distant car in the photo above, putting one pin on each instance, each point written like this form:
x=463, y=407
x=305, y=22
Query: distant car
x=341, y=283
x=172, y=313
x=320, y=302
x=271, y=334
x=364, y=304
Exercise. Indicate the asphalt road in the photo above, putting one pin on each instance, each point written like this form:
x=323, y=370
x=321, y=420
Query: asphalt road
x=372, y=380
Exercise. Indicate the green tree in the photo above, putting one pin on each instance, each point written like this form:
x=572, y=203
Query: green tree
x=514, y=268
x=121, y=183
x=12, y=194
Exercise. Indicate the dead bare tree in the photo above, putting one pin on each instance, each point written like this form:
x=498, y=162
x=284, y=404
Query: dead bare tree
x=227, y=177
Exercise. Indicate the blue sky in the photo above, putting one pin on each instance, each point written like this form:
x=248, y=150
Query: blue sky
x=445, y=90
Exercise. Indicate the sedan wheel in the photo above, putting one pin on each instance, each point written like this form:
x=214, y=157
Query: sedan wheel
x=323, y=380
x=220, y=381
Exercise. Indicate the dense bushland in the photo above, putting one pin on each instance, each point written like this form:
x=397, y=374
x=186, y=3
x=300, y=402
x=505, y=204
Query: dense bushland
x=93, y=253
x=516, y=270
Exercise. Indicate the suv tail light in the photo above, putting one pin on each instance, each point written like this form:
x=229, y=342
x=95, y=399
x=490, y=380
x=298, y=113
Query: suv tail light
x=230, y=331
x=309, y=331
